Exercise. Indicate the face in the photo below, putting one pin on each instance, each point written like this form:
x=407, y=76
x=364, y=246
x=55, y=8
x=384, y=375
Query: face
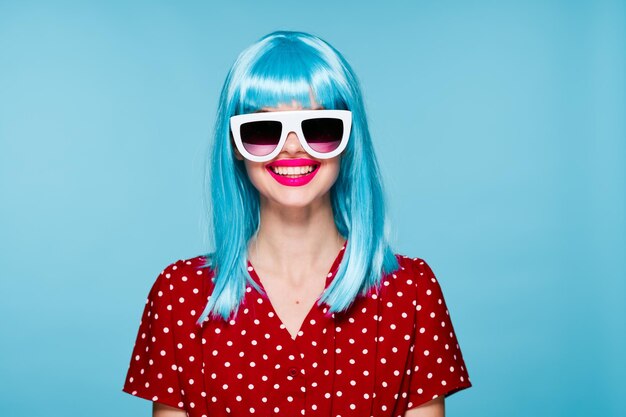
x=293, y=190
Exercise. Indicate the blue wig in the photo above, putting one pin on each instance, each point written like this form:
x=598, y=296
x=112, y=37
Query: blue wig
x=280, y=68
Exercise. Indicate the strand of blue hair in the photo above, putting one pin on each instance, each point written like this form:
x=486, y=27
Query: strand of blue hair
x=282, y=67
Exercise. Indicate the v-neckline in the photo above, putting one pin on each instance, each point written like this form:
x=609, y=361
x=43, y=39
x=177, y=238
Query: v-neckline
x=330, y=275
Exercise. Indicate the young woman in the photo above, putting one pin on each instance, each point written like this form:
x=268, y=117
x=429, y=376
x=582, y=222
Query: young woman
x=302, y=308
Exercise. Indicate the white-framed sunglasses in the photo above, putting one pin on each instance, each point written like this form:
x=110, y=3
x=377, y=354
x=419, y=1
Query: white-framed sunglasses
x=260, y=137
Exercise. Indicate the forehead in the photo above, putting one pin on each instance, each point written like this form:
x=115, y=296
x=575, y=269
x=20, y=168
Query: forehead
x=293, y=105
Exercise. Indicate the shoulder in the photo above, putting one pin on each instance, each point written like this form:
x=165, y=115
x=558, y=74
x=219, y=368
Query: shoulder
x=186, y=270
x=412, y=271
x=180, y=266
x=429, y=301
x=416, y=277
x=186, y=278
x=181, y=290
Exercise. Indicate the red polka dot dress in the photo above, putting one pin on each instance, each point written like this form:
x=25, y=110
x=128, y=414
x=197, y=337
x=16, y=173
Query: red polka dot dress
x=393, y=350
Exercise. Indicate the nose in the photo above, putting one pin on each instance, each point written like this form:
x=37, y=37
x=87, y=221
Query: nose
x=292, y=144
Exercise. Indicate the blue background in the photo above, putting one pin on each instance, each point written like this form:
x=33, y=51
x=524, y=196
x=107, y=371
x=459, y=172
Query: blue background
x=501, y=135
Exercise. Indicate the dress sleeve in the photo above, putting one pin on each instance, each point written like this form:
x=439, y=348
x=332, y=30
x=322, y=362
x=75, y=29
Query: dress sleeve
x=437, y=365
x=153, y=373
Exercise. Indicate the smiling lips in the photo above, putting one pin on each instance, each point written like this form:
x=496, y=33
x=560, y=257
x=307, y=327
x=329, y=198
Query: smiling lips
x=293, y=172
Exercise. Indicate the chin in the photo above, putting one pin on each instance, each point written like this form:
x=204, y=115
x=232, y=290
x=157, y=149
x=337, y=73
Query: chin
x=295, y=200
x=298, y=203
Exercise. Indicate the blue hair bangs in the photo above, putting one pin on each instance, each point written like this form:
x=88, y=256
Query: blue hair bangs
x=280, y=69
x=281, y=73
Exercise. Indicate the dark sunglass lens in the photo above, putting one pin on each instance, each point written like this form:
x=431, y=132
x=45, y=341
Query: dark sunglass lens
x=260, y=138
x=323, y=134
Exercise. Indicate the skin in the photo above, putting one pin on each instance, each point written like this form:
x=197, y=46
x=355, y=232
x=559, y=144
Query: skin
x=296, y=244
x=297, y=240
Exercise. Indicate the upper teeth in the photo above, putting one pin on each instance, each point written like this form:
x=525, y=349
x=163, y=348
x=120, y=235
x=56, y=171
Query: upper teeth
x=292, y=170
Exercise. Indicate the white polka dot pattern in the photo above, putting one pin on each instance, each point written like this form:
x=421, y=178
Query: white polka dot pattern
x=437, y=366
x=153, y=373
x=393, y=350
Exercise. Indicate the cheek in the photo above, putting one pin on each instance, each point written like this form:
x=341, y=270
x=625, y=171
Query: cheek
x=333, y=172
x=255, y=173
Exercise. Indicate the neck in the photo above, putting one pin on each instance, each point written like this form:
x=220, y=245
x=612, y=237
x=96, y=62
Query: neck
x=293, y=239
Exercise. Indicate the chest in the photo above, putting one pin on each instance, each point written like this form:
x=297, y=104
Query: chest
x=345, y=364
x=292, y=304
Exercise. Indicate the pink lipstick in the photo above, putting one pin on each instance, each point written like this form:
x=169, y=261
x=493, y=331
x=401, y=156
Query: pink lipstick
x=295, y=181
